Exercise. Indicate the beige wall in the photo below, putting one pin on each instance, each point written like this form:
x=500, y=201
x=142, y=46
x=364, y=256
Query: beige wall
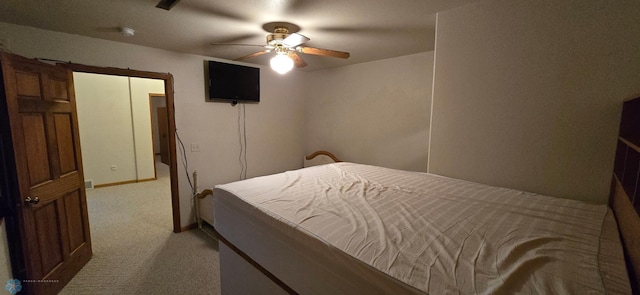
x=372, y=113
x=142, y=129
x=527, y=94
x=115, y=127
x=104, y=122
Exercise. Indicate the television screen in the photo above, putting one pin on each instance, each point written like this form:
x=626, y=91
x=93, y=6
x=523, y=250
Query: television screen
x=233, y=83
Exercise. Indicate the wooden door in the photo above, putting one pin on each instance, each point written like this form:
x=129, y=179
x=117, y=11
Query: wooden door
x=163, y=129
x=53, y=227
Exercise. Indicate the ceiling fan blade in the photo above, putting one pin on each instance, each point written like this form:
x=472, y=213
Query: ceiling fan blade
x=324, y=52
x=294, y=40
x=297, y=60
x=238, y=44
x=108, y=29
x=167, y=4
x=251, y=55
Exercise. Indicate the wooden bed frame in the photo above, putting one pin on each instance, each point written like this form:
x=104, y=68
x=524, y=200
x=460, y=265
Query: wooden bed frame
x=625, y=189
x=320, y=153
x=320, y=158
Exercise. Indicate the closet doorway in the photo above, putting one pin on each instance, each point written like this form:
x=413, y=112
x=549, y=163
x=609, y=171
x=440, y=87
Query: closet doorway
x=167, y=79
x=160, y=125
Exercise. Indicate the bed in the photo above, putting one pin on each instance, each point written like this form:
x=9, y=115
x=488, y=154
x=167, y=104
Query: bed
x=346, y=228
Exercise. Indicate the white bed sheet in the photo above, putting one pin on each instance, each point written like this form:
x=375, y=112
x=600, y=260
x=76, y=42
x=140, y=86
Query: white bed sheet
x=346, y=227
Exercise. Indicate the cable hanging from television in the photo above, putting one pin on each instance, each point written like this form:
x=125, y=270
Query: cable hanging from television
x=242, y=137
x=185, y=162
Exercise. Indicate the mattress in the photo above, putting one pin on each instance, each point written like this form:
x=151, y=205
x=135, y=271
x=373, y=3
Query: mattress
x=345, y=228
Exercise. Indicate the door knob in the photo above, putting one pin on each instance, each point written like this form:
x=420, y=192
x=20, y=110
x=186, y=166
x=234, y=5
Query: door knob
x=34, y=201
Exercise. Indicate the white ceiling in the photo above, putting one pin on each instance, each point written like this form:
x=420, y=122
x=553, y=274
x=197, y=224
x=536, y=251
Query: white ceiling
x=368, y=29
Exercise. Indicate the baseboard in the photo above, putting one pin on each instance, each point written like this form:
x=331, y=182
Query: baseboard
x=147, y=179
x=189, y=227
x=124, y=182
x=114, y=183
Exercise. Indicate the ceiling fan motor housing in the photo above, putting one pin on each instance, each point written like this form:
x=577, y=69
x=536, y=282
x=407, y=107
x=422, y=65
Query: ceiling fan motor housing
x=279, y=34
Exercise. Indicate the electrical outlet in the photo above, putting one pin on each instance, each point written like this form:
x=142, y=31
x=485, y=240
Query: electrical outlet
x=114, y=168
x=195, y=147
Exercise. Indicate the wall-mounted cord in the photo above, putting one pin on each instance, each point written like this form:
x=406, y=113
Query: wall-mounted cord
x=244, y=133
x=185, y=162
x=242, y=137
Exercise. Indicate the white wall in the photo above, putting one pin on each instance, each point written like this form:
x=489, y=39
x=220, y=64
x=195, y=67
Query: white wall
x=274, y=126
x=104, y=122
x=527, y=94
x=142, y=130
x=373, y=113
x=115, y=127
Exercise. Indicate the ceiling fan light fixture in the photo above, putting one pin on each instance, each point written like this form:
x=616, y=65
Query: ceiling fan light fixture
x=127, y=32
x=281, y=63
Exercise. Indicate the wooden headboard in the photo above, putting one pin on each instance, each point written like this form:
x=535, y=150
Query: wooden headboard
x=625, y=192
x=319, y=158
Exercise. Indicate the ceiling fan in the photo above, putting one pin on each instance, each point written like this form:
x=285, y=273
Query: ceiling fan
x=282, y=39
x=286, y=43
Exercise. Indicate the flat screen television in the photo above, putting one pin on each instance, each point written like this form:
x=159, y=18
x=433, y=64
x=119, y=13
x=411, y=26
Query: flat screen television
x=232, y=83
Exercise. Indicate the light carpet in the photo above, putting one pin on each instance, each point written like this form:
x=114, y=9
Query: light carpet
x=135, y=250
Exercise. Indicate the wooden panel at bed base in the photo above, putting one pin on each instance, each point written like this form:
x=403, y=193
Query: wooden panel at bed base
x=629, y=227
x=239, y=276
